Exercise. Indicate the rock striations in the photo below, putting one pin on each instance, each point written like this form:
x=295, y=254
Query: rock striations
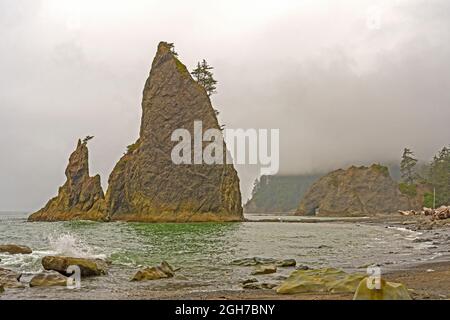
x=145, y=185
x=357, y=191
x=78, y=196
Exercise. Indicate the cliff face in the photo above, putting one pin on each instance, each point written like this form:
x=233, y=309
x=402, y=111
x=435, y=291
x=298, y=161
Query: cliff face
x=274, y=194
x=356, y=191
x=146, y=185
x=79, y=194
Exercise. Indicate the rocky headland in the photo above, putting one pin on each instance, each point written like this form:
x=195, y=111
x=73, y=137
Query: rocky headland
x=359, y=191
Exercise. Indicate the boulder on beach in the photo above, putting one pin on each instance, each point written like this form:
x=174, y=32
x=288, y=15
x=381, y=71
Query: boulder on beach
x=10, y=279
x=387, y=291
x=259, y=286
x=254, y=261
x=164, y=270
x=80, y=195
x=88, y=267
x=264, y=269
x=326, y=280
x=15, y=249
x=48, y=279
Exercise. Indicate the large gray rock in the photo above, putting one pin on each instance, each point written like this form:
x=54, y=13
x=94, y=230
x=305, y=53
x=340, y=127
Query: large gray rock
x=146, y=185
x=88, y=267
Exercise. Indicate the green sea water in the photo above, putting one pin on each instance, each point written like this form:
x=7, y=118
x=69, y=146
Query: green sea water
x=202, y=251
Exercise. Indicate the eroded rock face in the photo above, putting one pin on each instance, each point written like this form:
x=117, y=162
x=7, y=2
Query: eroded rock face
x=356, y=191
x=146, y=185
x=79, y=197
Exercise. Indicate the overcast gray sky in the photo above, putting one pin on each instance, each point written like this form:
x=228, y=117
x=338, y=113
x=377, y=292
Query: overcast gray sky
x=340, y=88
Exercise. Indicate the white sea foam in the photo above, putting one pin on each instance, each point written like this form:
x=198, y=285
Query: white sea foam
x=69, y=245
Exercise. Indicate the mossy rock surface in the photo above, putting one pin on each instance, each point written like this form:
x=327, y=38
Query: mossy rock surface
x=387, y=291
x=320, y=281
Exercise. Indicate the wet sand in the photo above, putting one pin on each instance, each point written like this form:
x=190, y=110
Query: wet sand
x=425, y=281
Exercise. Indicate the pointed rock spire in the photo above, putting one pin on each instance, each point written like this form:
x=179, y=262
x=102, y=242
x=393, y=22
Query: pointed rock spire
x=79, y=193
x=146, y=185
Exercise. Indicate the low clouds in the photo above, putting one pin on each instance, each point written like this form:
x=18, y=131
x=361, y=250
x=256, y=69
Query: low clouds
x=339, y=92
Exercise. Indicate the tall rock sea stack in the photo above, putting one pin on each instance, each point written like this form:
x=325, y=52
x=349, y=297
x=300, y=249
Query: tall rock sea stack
x=80, y=194
x=146, y=185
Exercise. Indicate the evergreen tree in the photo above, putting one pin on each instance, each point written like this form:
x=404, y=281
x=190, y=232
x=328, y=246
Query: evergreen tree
x=407, y=166
x=204, y=77
x=440, y=176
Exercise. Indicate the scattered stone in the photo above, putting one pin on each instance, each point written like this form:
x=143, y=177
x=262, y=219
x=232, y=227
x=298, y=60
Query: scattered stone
x=387, y=291
x=302, y=267
x=264, y=269
x=419, y=240
x=48, y=279
x=259, y=286
x=255, y=261
x=251, y=280
x=164, y=270
x=15, y=249
x=10, y=279
x=320, y=280
x=88, y=267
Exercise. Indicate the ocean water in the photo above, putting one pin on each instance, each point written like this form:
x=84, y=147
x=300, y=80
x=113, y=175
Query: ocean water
x=204, y=252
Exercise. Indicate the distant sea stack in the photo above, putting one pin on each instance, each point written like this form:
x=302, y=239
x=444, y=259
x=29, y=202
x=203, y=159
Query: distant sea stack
x=145, y=185
x=358, y=191
x=78, y=196
x=279, y=193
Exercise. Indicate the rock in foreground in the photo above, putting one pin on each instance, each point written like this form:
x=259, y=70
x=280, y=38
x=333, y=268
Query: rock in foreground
x=387, y=291
x=88, y=267
x=15, y=249
x=164, y=270
x=80, y=196
x=264, y=269
x=327, y=280
x=10, y=279
x=357, y=191
x=48, y=279
x=255, y=261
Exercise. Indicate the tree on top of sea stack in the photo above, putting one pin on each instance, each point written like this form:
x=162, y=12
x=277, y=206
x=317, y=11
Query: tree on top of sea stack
x=146, y=185
x=205, y=77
